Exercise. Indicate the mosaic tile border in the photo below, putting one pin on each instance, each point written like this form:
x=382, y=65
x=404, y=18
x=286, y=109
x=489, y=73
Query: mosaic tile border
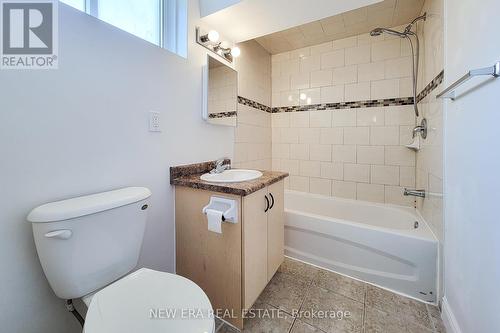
x=431, y=86
x=222, y=114
x=347, y=105
x=254, y=104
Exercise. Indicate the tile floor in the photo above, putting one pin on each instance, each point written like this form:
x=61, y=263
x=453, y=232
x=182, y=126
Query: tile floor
x=301, y=288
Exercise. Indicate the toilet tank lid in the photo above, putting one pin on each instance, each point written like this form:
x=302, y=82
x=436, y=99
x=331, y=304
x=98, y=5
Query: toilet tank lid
x=88, y=204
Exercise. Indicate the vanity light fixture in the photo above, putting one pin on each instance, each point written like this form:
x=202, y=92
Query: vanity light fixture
x=212, y=36
x=211, y=42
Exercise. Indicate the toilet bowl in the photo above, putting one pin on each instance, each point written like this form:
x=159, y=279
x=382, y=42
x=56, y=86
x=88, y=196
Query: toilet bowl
x=149, y=301
x=88, y=246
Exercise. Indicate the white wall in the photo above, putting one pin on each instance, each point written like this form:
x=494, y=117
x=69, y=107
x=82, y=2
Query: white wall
x=472, y=162
x=83, y=129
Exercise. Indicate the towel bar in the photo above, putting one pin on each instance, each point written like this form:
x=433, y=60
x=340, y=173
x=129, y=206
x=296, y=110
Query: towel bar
x=450, y=91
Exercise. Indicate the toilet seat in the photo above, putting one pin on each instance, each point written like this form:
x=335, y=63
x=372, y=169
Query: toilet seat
x=149, y=301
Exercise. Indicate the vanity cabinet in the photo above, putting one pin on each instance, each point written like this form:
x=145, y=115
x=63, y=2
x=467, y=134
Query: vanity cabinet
x=263, y=239
x=233, y=267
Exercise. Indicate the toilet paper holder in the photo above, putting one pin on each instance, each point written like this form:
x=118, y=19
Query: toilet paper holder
x=228, y=207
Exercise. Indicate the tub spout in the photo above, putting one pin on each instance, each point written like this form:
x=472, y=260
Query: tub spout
x=415, y=193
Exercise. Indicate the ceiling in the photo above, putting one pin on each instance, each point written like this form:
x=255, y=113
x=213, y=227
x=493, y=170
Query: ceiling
x=388, y=13
x=242, y=20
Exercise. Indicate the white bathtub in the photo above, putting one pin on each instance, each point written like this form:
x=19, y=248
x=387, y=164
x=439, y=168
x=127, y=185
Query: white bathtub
x=375, y=243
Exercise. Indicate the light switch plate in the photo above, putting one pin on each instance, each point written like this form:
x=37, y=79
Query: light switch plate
x=154, y=121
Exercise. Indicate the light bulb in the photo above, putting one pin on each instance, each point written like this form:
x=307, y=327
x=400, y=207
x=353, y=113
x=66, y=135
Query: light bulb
x=235, y=52
x=303, y=96
x=213, y=36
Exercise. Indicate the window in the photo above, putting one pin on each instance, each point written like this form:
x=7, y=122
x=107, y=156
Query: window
x=161, y=22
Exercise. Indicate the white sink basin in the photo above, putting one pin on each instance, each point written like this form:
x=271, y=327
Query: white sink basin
x=231, y=176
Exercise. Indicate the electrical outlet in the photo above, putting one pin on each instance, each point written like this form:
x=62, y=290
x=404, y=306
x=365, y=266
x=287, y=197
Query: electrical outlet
x=154, y=121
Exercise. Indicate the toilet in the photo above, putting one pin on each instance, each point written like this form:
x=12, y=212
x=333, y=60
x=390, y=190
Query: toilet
x=89, y=245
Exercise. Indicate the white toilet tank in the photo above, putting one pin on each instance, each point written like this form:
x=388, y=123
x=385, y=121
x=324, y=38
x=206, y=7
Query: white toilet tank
x=86, y=243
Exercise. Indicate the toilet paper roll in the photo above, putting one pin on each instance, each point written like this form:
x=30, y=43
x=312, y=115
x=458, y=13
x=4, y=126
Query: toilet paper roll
x=214, y=220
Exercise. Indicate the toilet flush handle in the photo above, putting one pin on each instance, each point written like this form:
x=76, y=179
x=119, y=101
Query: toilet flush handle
x=59, y=234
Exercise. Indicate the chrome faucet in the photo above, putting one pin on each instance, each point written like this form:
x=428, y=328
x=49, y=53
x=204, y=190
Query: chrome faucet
x=220, y=166
x=422, y=129
x=415, y=193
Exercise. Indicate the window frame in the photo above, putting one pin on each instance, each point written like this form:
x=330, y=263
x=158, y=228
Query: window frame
x=173, y=16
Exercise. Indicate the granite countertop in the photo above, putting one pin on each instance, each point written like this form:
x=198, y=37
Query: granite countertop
x=189, y=176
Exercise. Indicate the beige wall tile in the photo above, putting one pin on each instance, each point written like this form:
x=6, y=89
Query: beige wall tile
x=310, y=96
x=370, y=192
x=281, y=119
x=343, y=118
x=310, y=63
x=370, y=117
x=321, y=48
x=399, y=115
x=321, y=78
x=356, y=135
x=358, y=55
x=288, y=98
x=289, y=67
x=333, y=170
x=320, y=152
x=332, y=94
x=332, y=135
x=288, y=135
x=399, y=155
x=385, y=89
x=309, y=168
x=344, y=153
x=299, y=183
x=299, y=119
x=290, y=166
x=299, y=151
x=345, y=43
x=333, y=59
x=281, y=150
x=320, y=118
x=394, y=195
x=357, y=92
x=405, y=135
x=385, y=174
x=384, y=136
x=398, y=68
x=320, y=186
x=299, y=81
x=309, y=135
x=280, y=83
x=345, y=75
x=344, y=189
x=371, y=72
x=407, y=176
x=388, y=49
x=370, y=155
x=357, y=173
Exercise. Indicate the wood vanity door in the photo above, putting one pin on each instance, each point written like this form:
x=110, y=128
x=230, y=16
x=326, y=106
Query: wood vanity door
x=211, y=260
x=254, y=246
x=276, y=229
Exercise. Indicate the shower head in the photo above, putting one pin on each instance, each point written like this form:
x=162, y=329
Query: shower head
x=380, y=31
x=376, y=32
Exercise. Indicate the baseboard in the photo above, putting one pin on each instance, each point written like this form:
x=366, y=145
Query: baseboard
x=449, y=319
